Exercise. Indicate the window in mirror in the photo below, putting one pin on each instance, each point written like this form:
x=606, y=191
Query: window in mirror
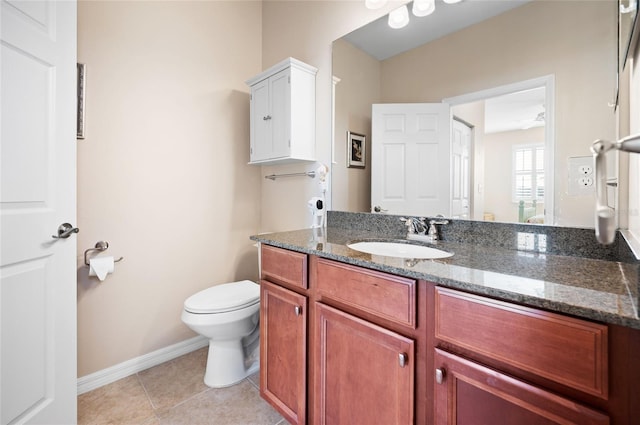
x=528, y=173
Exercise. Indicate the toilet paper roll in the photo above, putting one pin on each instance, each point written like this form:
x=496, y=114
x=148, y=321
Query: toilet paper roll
x=101, y=267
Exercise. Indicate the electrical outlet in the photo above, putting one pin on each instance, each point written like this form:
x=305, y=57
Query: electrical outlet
x=581, y=176
x=585, y=169
x=585, y=181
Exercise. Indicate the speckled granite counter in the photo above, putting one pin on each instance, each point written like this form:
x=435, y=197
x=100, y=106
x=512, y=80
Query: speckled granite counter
x=601, y=290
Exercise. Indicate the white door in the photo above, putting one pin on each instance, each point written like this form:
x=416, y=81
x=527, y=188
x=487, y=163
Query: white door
x=38, y=193
x=410, y=157
x=460, y=170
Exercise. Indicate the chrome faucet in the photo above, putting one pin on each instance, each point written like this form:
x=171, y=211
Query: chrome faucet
x=415, y=226
x=433, y=230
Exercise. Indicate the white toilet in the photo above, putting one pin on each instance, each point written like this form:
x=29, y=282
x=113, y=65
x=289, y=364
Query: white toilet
x=228, y=315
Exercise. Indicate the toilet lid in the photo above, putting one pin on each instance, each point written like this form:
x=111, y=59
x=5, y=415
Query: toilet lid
x=225, y=297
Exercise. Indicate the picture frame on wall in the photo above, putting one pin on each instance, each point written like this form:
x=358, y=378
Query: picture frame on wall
x=356, y=150
x=81, y=68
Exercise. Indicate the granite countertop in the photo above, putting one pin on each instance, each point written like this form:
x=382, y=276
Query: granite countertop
x=601, y=290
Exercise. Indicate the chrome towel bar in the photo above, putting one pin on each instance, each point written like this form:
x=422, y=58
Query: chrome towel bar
x=311, y=174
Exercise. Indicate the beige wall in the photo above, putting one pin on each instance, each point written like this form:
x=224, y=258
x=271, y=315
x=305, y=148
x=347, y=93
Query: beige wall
x=633, y=209
x=358, y=89
x=162, y=173
x=479, y=58
x=498, y=149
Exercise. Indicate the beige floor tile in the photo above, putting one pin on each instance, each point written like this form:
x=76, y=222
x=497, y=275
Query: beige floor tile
x=123, y=402
x=171, y=383
x=237, y=405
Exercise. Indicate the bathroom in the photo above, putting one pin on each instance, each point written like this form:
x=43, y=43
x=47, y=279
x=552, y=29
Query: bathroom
x=162, y=171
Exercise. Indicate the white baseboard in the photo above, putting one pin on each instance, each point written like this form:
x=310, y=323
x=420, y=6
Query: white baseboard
x=138, y=364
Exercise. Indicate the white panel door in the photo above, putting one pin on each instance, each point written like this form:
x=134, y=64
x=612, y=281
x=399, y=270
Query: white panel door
x=410, y=157
x=460, y=170
x=38, y=181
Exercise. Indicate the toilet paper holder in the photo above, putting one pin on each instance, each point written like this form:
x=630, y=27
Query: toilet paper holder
x=100, y=246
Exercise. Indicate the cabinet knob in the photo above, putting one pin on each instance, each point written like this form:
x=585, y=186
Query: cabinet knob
x=267, y=118
x=298, y=310
x=403, y=359
x=440, y=373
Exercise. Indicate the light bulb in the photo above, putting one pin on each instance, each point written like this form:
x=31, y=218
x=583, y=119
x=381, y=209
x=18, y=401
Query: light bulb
x=423, y=7
x=399, y=18
x=375, y=4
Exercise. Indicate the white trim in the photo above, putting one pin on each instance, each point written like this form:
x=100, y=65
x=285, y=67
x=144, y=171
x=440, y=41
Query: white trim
x=138, y=364
x=548, y=82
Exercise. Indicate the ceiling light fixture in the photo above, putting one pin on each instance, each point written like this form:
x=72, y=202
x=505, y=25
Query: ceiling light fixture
x=399, y=18
x=423, y=7
x=375, y=4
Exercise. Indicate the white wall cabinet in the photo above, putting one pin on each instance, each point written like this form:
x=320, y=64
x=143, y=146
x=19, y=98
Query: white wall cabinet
x=283, y=113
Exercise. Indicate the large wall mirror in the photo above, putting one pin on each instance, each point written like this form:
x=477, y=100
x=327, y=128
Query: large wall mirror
x=533, y=81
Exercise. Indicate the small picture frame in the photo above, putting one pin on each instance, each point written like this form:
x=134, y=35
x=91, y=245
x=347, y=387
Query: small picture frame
x=356, y=150
x=80, y=104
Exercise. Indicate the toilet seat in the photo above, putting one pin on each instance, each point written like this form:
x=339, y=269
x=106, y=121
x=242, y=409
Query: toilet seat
x=224, y=298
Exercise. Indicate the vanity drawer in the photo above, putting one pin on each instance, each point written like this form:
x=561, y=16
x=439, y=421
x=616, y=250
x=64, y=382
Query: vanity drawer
x=284, y=266
x=562, y=349
x=387, y=296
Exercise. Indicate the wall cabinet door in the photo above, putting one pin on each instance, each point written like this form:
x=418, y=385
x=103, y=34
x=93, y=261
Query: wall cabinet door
x=467, y=393
x=283, y=351
x=270, y=115
x=364, y=374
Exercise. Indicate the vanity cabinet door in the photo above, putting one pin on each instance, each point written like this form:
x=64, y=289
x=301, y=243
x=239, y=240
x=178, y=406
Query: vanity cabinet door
x=364, y=374
x=467, y=393
x=283, y=351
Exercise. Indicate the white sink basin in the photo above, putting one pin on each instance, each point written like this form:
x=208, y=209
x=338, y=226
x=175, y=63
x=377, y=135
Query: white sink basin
x=398, y=249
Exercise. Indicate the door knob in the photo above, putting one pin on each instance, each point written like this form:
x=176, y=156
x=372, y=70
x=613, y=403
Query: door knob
x=378, y=209
x=65, y=230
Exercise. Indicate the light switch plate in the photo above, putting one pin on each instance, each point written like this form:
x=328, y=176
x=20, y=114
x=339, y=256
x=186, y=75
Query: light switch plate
x=581, y=176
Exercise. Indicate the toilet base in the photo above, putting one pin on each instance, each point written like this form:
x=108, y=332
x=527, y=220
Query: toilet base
x=226, y=364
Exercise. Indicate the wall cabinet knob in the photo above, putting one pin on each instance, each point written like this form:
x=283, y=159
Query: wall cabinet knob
x=440, y=373
x=267, y=118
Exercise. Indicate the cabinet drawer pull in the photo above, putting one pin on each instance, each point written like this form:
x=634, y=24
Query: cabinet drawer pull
x=298, y=310
x=440, y=373
x=403, y=358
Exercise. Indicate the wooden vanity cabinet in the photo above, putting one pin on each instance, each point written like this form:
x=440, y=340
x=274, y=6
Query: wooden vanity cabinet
x=364, y=372
x=283, y=332
x=470, y=393
x=528, y=350
x=345, y=344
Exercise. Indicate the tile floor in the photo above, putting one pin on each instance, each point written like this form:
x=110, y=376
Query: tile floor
x=173, y=393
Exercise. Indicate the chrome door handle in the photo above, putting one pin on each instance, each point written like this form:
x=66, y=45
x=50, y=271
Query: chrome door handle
x=65, y=230
x=378, y=209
